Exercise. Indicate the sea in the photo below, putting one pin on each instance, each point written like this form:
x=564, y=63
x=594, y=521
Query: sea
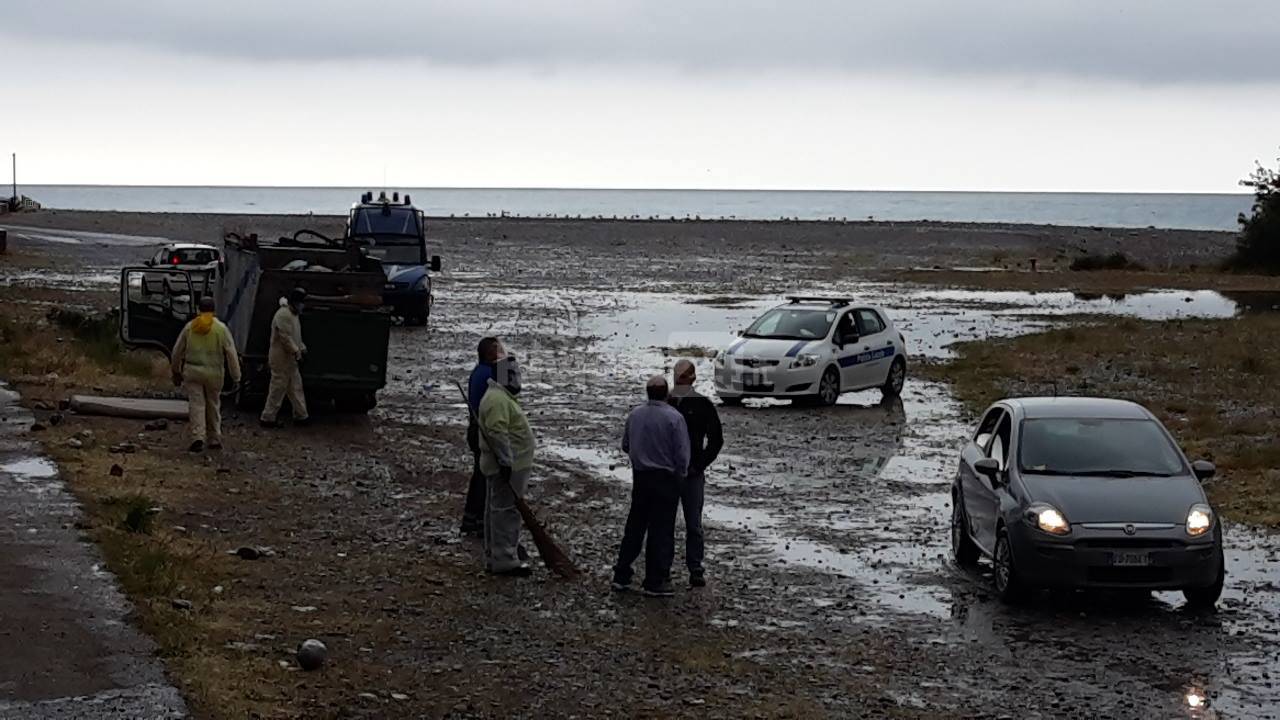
x=1126, y=210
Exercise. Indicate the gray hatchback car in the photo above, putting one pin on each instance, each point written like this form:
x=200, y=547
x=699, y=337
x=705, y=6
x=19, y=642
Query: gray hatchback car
x=1084, y=493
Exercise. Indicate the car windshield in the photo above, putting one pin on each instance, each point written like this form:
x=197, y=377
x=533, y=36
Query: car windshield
x=388, y=221
x=1107, y=447
x=792, y=324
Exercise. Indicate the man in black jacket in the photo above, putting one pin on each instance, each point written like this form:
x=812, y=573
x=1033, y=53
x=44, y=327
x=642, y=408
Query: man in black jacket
x=705, y=441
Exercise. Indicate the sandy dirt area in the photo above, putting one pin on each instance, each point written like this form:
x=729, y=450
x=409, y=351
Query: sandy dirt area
x=832, y=592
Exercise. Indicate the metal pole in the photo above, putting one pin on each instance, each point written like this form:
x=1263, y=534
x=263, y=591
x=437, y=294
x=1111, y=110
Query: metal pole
x=15, y=177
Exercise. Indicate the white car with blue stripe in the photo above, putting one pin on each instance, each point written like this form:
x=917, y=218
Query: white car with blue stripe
x=813, y=348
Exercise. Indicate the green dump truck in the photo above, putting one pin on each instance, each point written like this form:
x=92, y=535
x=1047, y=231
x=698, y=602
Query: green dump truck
x=345, y=326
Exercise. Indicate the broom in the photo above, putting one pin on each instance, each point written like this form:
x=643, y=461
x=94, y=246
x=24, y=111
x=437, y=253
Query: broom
x=556, y=560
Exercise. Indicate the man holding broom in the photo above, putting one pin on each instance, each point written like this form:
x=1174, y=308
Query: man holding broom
x=506, y=459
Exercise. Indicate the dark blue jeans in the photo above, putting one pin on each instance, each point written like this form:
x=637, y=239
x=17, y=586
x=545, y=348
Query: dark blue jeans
x=691, y=493
x=651, y=524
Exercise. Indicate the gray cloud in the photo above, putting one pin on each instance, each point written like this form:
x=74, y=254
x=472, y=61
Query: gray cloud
x=1134, y=40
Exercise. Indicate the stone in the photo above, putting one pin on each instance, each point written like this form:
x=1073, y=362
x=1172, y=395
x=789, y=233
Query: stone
x=180, y=604
x=116, y=470
x=55, y=419
x=124, y=448
x=37, y=427
x=312, y=654
x=156, y=425
x=74, y=444
x=248, y=553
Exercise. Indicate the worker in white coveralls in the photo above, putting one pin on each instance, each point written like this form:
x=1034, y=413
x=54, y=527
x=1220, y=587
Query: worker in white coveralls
x=287, y=350
x=201, y=356
x=506, y=459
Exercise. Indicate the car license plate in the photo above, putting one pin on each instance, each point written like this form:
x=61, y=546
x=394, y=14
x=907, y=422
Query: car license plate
x=753, y=379
x=1130, y=559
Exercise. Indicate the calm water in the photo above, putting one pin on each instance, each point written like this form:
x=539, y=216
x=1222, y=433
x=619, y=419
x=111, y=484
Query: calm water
x=1203, y=212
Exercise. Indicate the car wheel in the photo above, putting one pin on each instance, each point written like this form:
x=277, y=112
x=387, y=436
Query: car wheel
x=896, y=379
x=731, y=401
x=1008, y=583
x=1205, y=598
x=962, y=546
x=829, y=387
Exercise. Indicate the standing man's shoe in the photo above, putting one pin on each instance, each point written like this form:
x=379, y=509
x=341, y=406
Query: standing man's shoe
x=302, y=422
x=520, y=570
x=197, y=446
x=697, y=579
x=619, y=586
x=660, y=590
x=271, y=424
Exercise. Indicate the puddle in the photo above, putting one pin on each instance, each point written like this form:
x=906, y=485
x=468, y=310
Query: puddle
x=81, y=237
x=34, y=468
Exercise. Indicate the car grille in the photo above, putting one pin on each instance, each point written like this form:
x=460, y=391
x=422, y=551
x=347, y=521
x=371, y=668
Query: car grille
x=755, y=362
x=1126, y=575
x=1128, y=543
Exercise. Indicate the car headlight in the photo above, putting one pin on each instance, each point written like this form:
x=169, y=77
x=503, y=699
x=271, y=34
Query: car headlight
x=1048, y=519
x=805, y=360
x=1199, y=519
x=421, y=284
x=718, y=359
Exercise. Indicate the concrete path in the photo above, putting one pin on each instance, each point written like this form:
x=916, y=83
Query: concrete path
x=66, y=648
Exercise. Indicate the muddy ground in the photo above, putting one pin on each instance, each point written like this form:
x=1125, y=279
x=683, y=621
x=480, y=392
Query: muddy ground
x=832, y=592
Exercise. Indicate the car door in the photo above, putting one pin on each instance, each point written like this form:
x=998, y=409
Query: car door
x=155, y=304
x=877, y=347
x=979, y=494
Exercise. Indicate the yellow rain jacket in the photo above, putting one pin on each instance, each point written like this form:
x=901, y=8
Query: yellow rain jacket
x=505, y=436
x=203, y=349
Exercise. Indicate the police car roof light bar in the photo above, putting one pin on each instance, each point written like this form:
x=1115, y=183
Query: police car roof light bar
x=834, y=301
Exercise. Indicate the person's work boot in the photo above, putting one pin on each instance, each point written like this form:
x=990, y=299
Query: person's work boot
x=215, y=444
x=270, y=424
x=520, y=570
x=472, y=529
x=659, y=590
x=522, y=553
x=619, y=586
x=197, y=446
x=302, y=422
x=697, y=578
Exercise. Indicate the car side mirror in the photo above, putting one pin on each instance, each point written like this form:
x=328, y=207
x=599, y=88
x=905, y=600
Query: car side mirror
x=1203, y=469
x=990, y=468
x=435, y=263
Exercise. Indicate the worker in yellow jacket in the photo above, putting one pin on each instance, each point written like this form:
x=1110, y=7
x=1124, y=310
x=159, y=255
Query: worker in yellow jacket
x=506, y=459
x=204, y=349
x=283, y=357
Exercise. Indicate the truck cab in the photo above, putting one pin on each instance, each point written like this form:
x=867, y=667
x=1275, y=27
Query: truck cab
x=394, y=233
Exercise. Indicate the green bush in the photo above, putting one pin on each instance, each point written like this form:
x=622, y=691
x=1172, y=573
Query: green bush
x=1258, y=248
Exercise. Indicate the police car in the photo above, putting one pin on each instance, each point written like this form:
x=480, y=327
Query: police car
x=813, y=349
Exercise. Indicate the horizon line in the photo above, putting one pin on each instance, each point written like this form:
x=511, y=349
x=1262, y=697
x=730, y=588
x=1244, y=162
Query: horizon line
x=430, y=188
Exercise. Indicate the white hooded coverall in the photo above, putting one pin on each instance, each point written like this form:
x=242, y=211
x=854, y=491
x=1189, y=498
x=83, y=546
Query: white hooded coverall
x=286, y=350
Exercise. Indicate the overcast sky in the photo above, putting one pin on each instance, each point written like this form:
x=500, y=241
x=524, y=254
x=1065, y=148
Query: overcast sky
x=1159, y=95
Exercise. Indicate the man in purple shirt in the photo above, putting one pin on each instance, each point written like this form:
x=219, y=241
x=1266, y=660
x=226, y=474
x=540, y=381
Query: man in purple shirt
x=657, y=440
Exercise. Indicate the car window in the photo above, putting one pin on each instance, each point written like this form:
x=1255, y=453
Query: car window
x=869, y=322
x=848, y=327
x=987, y=427
x=1084, y=446
x=1001, y=442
